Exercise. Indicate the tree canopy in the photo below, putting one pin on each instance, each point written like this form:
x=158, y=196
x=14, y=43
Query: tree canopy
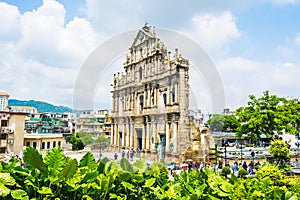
x=219, y=122
x=76, y=141
x=280, y=150
x=269, y=115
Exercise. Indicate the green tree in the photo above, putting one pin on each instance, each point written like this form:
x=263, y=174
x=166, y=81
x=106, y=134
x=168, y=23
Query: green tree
x=76, y=142
x=216, y=122
x=86, y=138
x=101, y=139
x=219, y=122
x=269, y=115
x=280, y=151
x=230, y=123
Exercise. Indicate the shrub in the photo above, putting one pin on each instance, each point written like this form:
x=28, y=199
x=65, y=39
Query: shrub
x=242, y=173
x=225, y=171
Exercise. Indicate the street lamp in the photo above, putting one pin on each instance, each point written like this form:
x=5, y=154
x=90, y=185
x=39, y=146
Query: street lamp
x=102, y=144
x=224, y=141
x=297, y=144
x=241, y=146
x=253, y=155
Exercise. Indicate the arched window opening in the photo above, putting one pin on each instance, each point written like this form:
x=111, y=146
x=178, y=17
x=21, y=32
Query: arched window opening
x=165, y=98
x=141, y=73
x=173, y=94
x=140, y=105
x=141, y=102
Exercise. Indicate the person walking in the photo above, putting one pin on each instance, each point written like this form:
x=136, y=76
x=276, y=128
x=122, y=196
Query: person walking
x=131, y=155
x=139, y=151
x=127, y=154
x=245, y=165
x=235, y=169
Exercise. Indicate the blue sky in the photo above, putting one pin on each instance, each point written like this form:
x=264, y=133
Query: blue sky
x=254, y=45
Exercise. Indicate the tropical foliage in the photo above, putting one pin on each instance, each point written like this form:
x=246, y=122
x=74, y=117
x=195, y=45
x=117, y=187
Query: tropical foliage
x=86, y=138
x=223, y=122
x=76, y=141
x=58, y=177
x=280, y=151
x=268, y=115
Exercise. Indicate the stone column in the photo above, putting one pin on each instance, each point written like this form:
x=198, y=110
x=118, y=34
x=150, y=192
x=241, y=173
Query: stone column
x=131, y=135
x=176, y=92
x=143, y=138
x=153, y=135
x=145, y=97
x=112, y=134
x=115, y=134
x=175, y=143
x=155, y=97
x=135, y=141
x=155, y=65
x=148, y=138
x=123, y=135
x=127, y=134
x=149, y=97
x=167, y=136
x=118, y=136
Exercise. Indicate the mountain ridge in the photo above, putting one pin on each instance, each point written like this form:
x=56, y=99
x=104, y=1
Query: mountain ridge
x=41, y=106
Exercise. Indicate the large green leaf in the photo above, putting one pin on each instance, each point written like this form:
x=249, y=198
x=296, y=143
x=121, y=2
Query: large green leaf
x=89, y=161
x=102, y=164
x=55, y=160
x=125, y=165
x=69, y=169
x=6, y=179
x=140, y=165
x=149, y=182
x=103, y=182
x=112, y=168
x=129, y=186
x=4, y=191
x=19, y=194
x=90, y=177
x=33, y=159
x=45, y=190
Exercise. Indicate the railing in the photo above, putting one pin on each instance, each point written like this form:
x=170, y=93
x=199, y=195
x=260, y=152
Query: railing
x=172, y=108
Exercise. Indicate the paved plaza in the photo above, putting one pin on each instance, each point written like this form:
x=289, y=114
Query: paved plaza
x=110, y=155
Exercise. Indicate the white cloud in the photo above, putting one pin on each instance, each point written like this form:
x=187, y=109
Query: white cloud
x=242, y=77
x=47, y=39
x=9, y=17
x=42, y=59
x=285, y=51
x=214, y=32
x=283, y=2
x=297, y=40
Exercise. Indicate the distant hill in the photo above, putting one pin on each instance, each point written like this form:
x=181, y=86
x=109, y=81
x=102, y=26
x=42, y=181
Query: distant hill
x=40, y=106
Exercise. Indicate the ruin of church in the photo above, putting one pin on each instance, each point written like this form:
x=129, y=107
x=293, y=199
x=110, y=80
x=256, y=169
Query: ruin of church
x=150, y=98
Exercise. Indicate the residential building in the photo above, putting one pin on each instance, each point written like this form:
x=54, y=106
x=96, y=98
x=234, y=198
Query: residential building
x=11, y=132
x=43, y=141
x=48, y=123
x=23, y=109
x=95, y=122
x=4, y=101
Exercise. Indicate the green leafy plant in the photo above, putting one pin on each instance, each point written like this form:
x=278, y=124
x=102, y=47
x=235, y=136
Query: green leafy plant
x=58, y=177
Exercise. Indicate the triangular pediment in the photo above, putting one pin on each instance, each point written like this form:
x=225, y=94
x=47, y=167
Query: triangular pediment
x=142, y=35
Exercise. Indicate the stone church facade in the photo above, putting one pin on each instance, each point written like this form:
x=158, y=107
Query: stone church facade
x=150, y=98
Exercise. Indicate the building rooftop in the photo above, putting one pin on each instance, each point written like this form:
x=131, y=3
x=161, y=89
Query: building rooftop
x=3, y=93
